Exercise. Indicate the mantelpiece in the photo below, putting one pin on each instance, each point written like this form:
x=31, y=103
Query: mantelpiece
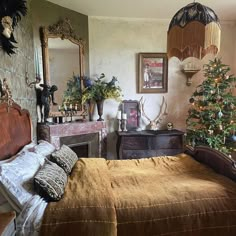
x=82, y=137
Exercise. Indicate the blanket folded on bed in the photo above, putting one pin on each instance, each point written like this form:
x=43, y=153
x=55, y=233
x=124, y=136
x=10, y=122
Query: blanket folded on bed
x=156, y=196
x=87, y=207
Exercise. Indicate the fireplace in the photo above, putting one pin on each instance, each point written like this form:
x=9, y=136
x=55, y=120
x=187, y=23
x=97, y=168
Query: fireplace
x=87, y=139
x=84, y=145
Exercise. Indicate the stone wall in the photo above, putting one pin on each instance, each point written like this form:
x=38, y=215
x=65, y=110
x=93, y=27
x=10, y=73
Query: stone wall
x=40, y=13
x=14, y=67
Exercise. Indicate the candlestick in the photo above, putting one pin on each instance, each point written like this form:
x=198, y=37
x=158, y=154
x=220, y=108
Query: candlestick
x=124, y=125
x=36, y=63
x=119, y=125
x=119, y=115
x=124, y=116
x=71, y=106
x=65, y=107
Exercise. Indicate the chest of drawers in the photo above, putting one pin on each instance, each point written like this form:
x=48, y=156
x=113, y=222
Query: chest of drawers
x=141, y=144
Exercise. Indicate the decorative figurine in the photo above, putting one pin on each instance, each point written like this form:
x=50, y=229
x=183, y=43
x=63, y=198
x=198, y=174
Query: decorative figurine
x=169, y=126
x=45, y=95
x=11, y=12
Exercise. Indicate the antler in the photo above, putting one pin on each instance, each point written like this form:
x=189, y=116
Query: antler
x=141, y=104
x=153, y=123
x=160, y=114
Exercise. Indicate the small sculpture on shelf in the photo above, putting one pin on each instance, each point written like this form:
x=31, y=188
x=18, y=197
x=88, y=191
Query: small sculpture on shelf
x=45, y=95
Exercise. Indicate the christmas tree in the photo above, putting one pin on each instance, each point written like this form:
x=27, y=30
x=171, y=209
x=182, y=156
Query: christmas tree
x=212, y=116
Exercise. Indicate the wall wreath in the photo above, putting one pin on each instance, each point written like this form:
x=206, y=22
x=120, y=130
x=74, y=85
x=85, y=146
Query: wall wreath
x=11, y=12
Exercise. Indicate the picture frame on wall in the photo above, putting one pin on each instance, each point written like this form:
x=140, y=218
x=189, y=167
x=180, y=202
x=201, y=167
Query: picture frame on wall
x=131, y=108
x=153, y=73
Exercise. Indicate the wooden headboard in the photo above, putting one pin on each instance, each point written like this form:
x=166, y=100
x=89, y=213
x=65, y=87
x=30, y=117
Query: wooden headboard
x=15, y=129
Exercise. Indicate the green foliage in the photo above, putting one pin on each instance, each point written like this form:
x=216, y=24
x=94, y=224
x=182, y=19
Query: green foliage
x=212, y=118
x=100, y=90
x=73, y=94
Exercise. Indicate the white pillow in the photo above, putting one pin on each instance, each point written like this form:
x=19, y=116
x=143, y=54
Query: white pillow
x=44, y=148
x=27, y=147
x=16, y=177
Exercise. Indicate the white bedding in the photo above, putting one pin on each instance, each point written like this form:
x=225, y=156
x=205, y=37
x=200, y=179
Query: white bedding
x=29, y=221
x=16, y=187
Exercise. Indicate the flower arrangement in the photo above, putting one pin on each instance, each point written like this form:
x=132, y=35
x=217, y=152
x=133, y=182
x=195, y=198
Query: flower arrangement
x=100, y=90
x=72, y=95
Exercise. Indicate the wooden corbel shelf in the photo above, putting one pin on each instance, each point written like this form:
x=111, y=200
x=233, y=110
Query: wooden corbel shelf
x=189, y=74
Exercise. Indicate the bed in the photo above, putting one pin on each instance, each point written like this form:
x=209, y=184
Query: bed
x=193, y=193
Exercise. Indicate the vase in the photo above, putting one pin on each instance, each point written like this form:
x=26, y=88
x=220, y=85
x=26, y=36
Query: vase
x=100, y=109
x=91, y=105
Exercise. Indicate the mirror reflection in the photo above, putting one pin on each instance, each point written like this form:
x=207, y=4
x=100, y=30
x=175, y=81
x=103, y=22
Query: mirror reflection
x=63, y=60
x=63, y=64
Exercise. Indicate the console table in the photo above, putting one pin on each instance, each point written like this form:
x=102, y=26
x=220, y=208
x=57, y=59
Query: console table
x=148, y=143
x=87, y=139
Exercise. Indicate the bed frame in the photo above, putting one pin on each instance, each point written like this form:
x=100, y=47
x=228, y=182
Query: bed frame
x=218, y=161
x=15, y=129
x=16, y=132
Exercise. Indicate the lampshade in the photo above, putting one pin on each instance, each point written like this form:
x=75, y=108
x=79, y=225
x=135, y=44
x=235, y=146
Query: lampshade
x=194, y=31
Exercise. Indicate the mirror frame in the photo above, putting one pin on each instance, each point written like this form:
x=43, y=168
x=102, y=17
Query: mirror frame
x=62, y=29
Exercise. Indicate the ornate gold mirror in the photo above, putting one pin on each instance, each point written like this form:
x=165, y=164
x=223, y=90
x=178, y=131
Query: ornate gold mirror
x=63, y=59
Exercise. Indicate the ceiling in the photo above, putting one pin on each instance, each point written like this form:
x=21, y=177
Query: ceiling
x=159, y=9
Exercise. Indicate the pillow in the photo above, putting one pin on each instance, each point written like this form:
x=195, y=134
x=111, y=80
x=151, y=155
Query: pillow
x=50, y=181
x=65, y=158
x=44, y=148
x=16, y=178
x=27, y=147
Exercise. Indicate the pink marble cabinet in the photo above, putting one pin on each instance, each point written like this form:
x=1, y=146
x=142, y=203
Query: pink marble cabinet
x=87, y=139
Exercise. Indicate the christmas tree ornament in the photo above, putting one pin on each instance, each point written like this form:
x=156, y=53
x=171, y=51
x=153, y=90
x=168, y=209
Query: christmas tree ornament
x=234, y=138
x=220, y=114
x=191, y=100
x=210, y=131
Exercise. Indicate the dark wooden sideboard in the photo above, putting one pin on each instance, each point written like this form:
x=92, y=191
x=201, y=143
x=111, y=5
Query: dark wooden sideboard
x=148, y=143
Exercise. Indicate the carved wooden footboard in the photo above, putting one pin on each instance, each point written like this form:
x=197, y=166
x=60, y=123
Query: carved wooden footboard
x=218, y=161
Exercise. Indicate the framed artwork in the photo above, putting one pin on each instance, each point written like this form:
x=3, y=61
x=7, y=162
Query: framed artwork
x=131, y=108
x=153, y=73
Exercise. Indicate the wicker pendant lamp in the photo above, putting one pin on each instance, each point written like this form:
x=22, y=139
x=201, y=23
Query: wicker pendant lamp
x=194, y=31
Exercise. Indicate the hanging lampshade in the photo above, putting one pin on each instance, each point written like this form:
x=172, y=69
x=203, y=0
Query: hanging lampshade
x=194, y=31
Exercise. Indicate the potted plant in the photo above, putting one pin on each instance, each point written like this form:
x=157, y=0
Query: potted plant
x=99, y=90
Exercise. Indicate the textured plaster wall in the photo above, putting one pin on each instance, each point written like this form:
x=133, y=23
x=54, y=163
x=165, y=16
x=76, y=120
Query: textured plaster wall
x=114, y=45
x=13, y=68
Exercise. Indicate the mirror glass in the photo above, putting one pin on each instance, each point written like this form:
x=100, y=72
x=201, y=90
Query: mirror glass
x=63, y=64
x=63, y=58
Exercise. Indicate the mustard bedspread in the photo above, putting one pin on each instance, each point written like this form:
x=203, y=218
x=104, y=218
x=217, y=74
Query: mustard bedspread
x=169, y=195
